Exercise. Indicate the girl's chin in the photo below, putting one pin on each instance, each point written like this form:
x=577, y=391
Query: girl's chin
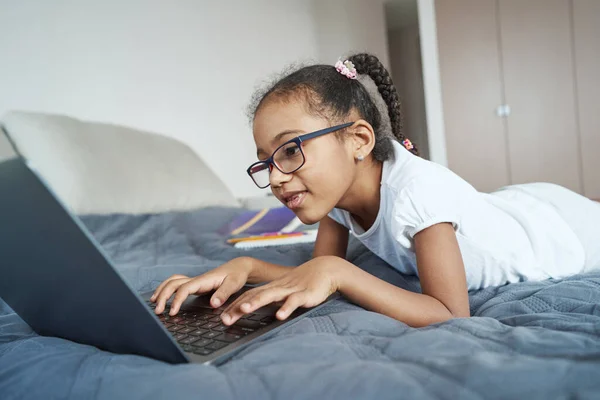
x=309, y=217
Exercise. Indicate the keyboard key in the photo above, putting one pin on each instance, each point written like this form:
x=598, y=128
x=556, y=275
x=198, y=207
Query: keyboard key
x=201, y=342
x=198, y=332
x=180, y=336
x=187, y=348
x=202, y=316
x=216, y=318
x=176, y=319
x=216, y=345
x=244, y=323
x=210, y=325
x=211, y=334
x=268, y=320
x=236, y=331
x=167, y=325
x=186, y=329
x=220, y=328
x=255, y=317
x=175, y=328
x=188, y=340
x=203, y=351
x=197, y=324
x=228, y=337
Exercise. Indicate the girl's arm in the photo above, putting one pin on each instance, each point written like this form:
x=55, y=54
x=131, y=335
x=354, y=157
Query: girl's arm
x=441, y=271
x=442, y=276
x=332, y=240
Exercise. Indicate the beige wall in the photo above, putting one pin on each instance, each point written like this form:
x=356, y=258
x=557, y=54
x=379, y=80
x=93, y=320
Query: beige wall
x=407, y=73
x=586, y=17
x=539, y=57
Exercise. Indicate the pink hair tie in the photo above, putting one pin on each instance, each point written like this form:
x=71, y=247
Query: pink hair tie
x=346, y=68
x=408, y=144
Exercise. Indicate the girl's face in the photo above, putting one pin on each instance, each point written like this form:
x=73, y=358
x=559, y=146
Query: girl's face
x=329, y=169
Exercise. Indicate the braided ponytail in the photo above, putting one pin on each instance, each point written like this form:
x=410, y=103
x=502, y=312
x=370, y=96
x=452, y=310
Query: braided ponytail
x=370, y=65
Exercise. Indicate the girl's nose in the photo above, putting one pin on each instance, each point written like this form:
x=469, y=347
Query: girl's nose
x=278, y=178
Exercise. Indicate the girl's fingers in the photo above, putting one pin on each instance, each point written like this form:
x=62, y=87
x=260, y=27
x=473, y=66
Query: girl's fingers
x=198, y=285
x=163, y=284
x=293, y=301
x=228, y=287
x=246, y=296
x=236, y=303
x=253, y=303
x=266, y=297
x=167, y=292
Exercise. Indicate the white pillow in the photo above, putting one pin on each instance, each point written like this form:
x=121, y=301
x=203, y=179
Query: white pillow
x=6, y=150
x=100, y=168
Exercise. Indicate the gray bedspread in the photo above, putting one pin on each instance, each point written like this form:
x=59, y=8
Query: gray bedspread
x=527, y=340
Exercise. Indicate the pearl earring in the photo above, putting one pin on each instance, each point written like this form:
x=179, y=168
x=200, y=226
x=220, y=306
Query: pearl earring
x=360, y=157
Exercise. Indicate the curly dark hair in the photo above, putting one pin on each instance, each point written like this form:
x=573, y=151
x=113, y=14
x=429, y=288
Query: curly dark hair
x=330, y=95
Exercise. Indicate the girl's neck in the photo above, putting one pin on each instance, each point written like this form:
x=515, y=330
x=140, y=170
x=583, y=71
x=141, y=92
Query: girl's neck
x=363, y=198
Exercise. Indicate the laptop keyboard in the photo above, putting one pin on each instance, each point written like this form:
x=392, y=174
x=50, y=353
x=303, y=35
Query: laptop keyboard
x=201, y=331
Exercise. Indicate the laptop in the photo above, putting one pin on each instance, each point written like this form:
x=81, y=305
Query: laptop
x=57, y=278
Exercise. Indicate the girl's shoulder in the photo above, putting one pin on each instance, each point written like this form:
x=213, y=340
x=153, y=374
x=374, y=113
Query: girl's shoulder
x=421, y=193
x=408, y=174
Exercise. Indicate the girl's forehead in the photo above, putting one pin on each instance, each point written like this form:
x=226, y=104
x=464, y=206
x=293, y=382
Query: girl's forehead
x=275, y=117
x=277, y=122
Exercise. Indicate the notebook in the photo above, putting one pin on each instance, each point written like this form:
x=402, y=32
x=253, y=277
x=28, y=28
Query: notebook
x=276, y=226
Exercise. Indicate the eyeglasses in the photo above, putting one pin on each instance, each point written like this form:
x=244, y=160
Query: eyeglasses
x=287, y=158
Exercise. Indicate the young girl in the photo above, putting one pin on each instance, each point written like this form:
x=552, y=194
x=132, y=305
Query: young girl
x=330, y=144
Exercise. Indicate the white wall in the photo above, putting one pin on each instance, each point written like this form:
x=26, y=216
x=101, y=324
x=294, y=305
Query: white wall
x=185, y=69
x=345, y=27
x=182, y=68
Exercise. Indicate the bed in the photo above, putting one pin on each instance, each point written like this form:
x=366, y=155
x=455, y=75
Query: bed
x=526, y=340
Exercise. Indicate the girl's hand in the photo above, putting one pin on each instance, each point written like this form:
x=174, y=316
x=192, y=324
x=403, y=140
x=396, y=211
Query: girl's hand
x=226, y=279
x=305, y=286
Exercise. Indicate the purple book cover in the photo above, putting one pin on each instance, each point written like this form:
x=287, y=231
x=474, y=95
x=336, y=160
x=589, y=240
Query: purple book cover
x=257, y=222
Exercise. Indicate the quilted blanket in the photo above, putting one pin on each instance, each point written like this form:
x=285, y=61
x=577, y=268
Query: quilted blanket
x=526, y=340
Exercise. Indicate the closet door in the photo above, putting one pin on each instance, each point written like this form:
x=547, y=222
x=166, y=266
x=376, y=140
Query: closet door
x=586, y=23
x=537, y=55
x=471, y=91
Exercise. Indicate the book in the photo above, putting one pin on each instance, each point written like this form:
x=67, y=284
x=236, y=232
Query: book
x=284, y=239
x=267, y=227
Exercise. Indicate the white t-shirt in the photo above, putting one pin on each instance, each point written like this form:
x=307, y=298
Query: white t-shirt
x=506, y=236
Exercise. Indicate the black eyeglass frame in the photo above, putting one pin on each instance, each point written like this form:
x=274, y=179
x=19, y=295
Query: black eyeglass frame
x=298, y=140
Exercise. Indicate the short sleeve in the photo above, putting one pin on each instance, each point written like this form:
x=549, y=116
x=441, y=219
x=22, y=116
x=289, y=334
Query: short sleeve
x=435, y=198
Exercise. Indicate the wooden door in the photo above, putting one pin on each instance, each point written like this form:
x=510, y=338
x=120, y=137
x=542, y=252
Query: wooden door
x=537, y=58
x=586, y=24
x=467, y=33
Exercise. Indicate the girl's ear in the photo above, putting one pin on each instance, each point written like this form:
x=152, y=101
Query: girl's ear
x=363, y=139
